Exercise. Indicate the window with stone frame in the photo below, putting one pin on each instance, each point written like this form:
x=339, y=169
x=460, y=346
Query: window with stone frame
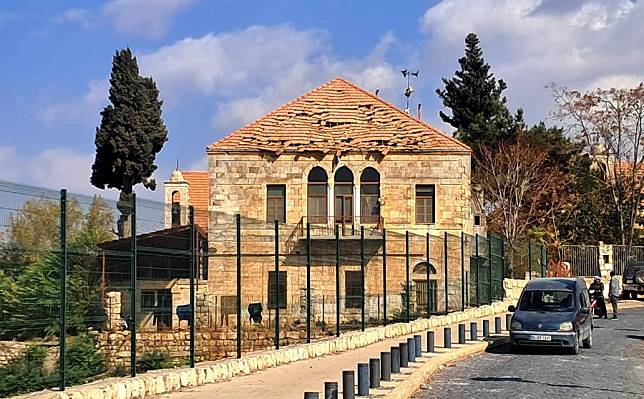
x=317, y=202
x=370, y=196
x=352, y=289
x=425, y=203
x=272, y=289
x=159, y=302
x=276, y=203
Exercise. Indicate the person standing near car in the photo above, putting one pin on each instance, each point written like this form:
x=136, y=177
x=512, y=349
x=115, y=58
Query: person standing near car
x=597, y=294
x=613, y=292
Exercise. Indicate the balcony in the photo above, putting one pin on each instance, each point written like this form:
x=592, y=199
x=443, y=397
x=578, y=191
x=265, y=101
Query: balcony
x=323, y=228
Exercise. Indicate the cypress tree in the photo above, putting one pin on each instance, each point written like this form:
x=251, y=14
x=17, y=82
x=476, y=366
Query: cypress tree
x=479, y=112
x=130, y=135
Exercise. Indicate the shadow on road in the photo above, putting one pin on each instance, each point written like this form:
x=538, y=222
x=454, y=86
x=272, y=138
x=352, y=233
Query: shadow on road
x=522, y=380
x=527, y=350
x=640, y=337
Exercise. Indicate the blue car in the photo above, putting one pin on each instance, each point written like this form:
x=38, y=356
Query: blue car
x=553, y=312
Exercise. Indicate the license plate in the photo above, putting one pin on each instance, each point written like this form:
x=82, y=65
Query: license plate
x=540, y=338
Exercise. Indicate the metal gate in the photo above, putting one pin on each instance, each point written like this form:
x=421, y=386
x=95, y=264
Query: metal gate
x=583, y=259
x=622, y=254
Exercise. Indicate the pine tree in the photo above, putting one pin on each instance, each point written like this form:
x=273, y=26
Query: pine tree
x=130, y=135
x=479, y=112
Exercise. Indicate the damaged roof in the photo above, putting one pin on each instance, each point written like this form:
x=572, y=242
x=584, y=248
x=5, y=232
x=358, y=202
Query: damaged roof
x=338, y=117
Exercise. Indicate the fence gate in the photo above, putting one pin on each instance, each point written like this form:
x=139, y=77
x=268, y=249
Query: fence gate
x=622, y=254
x=583, y=259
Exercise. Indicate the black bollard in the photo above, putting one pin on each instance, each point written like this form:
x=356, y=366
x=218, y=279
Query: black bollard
x=508, y=321
x=404, y=355
x=497, y=325
x=419, y=347
x=385, y=366
x=330, y=390
x=447, y=337
x=430, y=341
x=461, y=333
x=395, y=359
x=348, y=384
x=374, y=373
x=486, y=328
x=363, y=379
x=311, y=395
x=411, y=348
x=474, y=333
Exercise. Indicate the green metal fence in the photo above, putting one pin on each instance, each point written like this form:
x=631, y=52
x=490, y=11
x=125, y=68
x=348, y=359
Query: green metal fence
x=70, y=285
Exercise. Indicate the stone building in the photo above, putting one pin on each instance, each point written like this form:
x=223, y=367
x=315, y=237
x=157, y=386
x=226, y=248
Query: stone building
x=338, y=157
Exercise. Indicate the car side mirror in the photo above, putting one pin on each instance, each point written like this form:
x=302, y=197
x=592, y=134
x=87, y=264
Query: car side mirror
x=585, y=310
x=511, y=308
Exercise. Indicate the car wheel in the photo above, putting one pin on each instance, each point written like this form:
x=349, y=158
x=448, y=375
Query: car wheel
x=514, y=348
x=588, y=342
x=575, y=348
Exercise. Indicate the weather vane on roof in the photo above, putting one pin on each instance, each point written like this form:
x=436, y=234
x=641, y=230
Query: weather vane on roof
x=409, y=90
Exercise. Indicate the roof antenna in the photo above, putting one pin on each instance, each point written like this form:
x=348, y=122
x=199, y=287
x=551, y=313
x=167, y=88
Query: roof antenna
x=377, y=91
x=177, y=164
x=418, y=114
x=409, y=90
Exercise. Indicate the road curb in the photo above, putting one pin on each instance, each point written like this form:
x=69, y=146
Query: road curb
x=407, y=387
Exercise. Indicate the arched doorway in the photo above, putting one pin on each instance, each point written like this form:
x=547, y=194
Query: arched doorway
x=317, y=196
x=426, y=291
x=370, y=196
x=343, y=194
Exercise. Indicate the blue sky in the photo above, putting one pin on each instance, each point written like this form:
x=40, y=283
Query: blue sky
x=220, y=64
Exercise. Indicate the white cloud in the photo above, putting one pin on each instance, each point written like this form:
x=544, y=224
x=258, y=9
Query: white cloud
x=530, y=43
x=143, y=18
x=135, y=18
x=255, y=70
x=83, y=109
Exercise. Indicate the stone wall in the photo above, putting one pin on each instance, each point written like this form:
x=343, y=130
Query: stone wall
x=10, y=350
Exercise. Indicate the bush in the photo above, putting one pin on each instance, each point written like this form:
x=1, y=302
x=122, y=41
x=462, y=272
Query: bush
x=26, y=373
x=83, y=360
x=153, y=361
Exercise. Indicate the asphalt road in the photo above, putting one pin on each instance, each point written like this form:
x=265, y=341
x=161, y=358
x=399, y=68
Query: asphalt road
x=613, y=368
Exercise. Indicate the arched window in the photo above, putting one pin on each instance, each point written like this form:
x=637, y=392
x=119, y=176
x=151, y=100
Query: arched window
x=176, y=209
x=369, y=196
x=317, y=196
x=343, y=190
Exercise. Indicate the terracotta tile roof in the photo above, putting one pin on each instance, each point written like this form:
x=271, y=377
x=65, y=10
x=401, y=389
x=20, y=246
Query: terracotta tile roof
x=198, y=191
x=337, y=117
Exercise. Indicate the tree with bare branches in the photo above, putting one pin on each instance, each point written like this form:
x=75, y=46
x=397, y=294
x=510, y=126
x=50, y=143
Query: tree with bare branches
x=515, y=181
x=610, y=123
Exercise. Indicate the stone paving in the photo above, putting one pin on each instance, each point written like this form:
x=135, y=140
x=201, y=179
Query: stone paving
x=613, y=368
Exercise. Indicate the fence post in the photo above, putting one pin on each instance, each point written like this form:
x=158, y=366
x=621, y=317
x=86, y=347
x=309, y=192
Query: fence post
x=529, y=260
x=543, y=261
x=478, y=297
x=503, y=265
x=193, y=310
x=462, y=271
x=337, y=281
x=446, y=276
x=133, y=278
x=427, y=272
x=407, y=287
x=362, y=289
x=239, y=290
x=489, y=277
x=384, y=275
x=63, y=287
x=277, y=284
x=308, y=282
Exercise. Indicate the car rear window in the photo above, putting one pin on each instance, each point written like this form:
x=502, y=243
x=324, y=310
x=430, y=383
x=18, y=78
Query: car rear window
x=547, y=301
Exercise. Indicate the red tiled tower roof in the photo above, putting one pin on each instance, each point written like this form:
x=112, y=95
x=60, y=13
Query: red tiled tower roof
x=338, y=117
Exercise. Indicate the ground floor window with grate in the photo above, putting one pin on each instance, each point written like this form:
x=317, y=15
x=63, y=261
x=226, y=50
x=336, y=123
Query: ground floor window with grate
x=159, y=303
x=352, y=289
x=272, y=290
x=421, y=295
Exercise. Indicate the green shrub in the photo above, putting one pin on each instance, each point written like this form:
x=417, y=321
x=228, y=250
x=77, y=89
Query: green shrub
x=26, y=373
x=153, y=361
x=83, y=360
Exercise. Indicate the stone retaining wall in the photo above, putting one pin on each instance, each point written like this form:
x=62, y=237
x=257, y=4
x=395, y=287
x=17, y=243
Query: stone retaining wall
x=10, y=350
x=164, y=381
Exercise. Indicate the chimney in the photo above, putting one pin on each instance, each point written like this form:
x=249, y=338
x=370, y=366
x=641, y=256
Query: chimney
x=419, y=115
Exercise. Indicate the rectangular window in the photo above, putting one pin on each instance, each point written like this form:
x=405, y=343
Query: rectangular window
x=477, y=220
x=272, y=290
x=276, y=203
x=317, y=203
x=159, y=302
x=352, y=289
x=425, y=203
